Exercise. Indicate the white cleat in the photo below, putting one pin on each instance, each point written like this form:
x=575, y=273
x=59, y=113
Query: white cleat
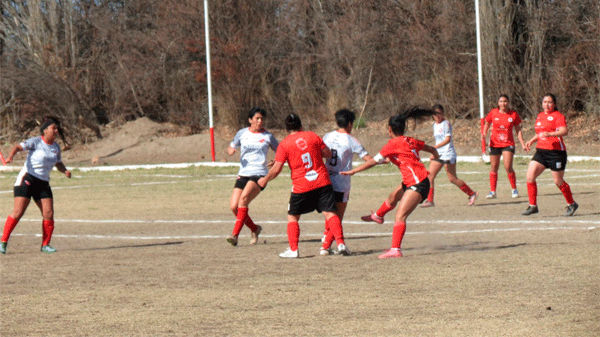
x=289, y=254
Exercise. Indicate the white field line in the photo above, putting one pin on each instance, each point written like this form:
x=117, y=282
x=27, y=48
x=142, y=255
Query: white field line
x=223, y=177
x=569, y=225
x=469, y=159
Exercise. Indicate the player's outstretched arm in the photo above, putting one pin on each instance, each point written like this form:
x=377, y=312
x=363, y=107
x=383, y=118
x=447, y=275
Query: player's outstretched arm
x=364, y=166
x=432, y=150
x=273, y=173
x=13, y=152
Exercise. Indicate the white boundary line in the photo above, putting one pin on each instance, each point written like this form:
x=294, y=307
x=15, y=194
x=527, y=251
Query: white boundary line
x=585, y=225
x=471, y=159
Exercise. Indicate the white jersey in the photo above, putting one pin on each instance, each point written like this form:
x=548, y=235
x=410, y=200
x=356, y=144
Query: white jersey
x=41, y=158
x=440, y=132
x=343, y=147
x=253, y=147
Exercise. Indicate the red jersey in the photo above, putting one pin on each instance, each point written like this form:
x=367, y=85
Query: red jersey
x=550, y=122
x=502, y=126
x=302, y=151
x=404, y=153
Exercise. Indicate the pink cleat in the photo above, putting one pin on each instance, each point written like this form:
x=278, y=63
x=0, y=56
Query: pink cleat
x=427, y=203
x=394, y=252
x=372, y=218
x=472, y=198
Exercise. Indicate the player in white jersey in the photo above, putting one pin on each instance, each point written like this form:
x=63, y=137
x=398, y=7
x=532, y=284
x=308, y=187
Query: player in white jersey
x=442, y=131
x=253, y=143
x=343, y=148
x=33, y=182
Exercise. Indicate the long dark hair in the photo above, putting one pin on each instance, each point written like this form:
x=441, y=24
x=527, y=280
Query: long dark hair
x=398, y=122
x=49, y=120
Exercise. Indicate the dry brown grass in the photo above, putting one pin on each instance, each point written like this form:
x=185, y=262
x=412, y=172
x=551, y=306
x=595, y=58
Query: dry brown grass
x=163, y=268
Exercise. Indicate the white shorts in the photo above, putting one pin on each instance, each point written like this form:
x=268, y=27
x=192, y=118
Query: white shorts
x=341, y=184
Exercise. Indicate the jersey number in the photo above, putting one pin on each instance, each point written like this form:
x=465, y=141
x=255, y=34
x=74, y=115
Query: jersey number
x=334, y=158
x=307, y=160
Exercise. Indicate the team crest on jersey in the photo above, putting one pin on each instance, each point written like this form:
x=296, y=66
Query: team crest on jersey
x=550, y=118
x=510, y=120
x=262, y=140
x=301, y=144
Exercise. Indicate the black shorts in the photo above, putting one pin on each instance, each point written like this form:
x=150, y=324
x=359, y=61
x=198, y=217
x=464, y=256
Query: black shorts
x=32, y=187
x=422, y=188
x=241, y=182
x=496, y=151
x=321, y=199
x=555, y=160
x=445, y=162
x=338, y=196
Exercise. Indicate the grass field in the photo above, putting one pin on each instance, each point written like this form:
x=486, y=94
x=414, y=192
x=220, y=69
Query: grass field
x=143, y=253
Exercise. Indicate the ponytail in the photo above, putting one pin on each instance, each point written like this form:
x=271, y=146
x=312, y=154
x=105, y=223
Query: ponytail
x=398, y=122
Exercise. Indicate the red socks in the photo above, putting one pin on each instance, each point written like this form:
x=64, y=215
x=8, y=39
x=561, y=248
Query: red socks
x=465, y=188
x=566, y=191
x=293, y=232
x=47, y=229
x=9, y=225
x=512, y=178
x=494, y=181
x=430, y=195
x=532, y=193
x=241, y=219
x=398, y=234
x=384, y=209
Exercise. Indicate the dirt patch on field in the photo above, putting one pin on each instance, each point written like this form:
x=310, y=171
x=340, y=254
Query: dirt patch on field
x=146, y=142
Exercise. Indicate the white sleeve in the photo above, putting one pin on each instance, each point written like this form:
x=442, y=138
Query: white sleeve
x=236, y=142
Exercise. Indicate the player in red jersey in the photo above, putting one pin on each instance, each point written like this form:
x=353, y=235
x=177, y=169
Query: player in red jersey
x=404, y=153
x=550, y=127
x=502, y=143
x=311, y=186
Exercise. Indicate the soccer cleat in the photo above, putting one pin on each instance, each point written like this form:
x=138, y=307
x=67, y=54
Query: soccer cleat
x=343, y=250
x=492, y=195
x=3, y=247
x=427, y=203
x=372, y=218
x=571, y=209
x=48, y=249
x=531, y=210
x=289, y=254
x=515, y=193
x=325, y=252
x=394, y=252
x=255, y=235
x=232, y=240
x=472, y=198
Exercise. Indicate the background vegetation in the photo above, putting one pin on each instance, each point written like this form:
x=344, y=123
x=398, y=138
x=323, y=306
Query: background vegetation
x=103, y=61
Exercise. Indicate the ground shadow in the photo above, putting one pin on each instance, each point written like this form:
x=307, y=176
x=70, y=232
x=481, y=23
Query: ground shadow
x=135, y=246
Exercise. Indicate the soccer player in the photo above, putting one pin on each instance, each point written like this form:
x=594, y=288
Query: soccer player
x=311, y=186
x=442, y=132
x=254, y=143
x=404, y=153
x=343, y=147
x=502, y=143
x=551, y=152
x=33, y=181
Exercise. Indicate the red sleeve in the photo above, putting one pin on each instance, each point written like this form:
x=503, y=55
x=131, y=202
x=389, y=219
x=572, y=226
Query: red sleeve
x=417, y=144
x=489, y=117
x=517, y=119
x=560, y=120
x=281, y=154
